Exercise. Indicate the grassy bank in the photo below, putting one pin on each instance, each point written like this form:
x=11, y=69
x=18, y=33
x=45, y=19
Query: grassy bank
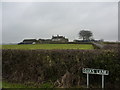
x=6, y=84
x=14, y=85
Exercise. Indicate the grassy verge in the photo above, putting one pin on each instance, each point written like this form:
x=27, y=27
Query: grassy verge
x=16, y=85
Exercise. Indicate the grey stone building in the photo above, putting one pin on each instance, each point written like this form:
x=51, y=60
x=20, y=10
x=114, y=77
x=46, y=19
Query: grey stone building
x=58, y=38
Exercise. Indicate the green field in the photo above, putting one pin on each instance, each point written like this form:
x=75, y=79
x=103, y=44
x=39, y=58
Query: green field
x=49, y=46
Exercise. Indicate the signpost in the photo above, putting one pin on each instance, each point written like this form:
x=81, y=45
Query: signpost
x=95, y=71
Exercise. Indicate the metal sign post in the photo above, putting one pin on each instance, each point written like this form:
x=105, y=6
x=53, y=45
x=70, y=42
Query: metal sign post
x=102, y=81
x=95, y=71
x=87, y=80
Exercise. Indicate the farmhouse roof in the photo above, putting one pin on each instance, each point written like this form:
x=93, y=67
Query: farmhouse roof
x=54, y=37
x=34, y=40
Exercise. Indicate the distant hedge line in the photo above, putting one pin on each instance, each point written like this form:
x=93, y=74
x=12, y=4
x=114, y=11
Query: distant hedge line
x=66, y=43
x=97, y=45
x=104, y=46
x=40, y=66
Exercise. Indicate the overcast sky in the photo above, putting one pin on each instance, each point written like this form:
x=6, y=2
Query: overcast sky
x=42, y=20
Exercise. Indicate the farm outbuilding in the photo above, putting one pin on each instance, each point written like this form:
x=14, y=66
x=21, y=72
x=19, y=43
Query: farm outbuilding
x=29, y=41
x=44, y=41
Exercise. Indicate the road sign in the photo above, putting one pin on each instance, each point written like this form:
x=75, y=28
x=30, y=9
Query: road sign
x=95, y=71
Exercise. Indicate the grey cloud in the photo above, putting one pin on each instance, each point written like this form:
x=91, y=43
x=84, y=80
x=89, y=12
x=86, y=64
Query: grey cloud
x=0, y=22
x=42, y=20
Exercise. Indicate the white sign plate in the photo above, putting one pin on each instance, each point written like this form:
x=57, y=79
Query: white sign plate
x=95, y=71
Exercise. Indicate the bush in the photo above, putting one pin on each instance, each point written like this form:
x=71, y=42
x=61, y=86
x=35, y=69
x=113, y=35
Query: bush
x=41, y=66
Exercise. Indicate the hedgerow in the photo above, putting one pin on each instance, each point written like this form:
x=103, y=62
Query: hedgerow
x=40, y=66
